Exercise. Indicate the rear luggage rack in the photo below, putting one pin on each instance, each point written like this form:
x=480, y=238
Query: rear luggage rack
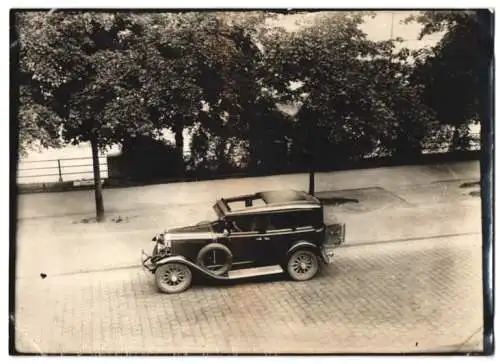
x=335, y=234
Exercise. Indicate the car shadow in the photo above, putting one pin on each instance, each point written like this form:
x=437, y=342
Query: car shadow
x=202, y=281
x=205, y=281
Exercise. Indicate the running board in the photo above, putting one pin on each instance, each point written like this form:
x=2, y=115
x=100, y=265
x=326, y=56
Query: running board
x=254, y=272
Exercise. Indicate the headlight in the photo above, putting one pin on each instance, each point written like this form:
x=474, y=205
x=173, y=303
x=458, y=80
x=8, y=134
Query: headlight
x=163, y=244
x=158, y=238
x=166, y=240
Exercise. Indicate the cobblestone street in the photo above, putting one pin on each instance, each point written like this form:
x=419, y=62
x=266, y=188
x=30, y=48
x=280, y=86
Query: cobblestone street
x=393, y=297
x=408, y=279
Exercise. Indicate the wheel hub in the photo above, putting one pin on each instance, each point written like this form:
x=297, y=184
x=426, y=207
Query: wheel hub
x=173, y=277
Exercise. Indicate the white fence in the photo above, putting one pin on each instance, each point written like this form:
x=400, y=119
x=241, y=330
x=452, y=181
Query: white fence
x=78, y=170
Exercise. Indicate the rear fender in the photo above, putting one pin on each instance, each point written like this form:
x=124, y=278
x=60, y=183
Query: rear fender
x=303, y=245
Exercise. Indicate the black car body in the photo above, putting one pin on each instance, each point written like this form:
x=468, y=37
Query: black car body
x=255, y=234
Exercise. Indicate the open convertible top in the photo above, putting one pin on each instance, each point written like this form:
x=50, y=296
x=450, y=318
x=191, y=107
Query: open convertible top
x=266, y=201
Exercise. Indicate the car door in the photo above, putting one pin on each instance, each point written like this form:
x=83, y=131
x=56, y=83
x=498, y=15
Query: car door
x=287, y=228
x=279, y=236
x=267, y=240
x=247, y=240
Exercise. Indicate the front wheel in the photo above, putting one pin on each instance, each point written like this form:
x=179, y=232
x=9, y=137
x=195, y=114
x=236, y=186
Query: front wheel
x=173, y=277
x=302, y=265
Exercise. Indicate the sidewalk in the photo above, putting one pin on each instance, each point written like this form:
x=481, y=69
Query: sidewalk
x=120, y=200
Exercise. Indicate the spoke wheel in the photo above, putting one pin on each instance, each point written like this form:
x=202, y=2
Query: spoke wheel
x=302, y=265
x=173, y=277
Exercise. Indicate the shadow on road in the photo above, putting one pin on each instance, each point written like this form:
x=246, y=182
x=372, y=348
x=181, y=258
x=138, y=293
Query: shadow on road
x=337, y=200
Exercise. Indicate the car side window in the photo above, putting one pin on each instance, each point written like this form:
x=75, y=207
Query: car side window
x=244, y=224
x=294, y=220
x=261, y=223
x=281, y=221
x=255, y=223
x=239, y=224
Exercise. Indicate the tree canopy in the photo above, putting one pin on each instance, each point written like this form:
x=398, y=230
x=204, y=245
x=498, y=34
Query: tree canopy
x=355, y=93
x=117, y=78
x=452, y=72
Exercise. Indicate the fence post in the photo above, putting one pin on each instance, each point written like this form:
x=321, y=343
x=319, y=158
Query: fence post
x=59, y=168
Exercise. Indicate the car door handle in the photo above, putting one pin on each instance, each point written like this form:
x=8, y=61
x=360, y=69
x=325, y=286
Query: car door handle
x=265, y=238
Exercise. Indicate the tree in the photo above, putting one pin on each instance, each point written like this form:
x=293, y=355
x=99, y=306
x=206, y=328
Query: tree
x=35, y=126
x=76, y=70
x=106, y=78
x=355, y=93
x=219, y=70
x=202, y=70
x=452, y=70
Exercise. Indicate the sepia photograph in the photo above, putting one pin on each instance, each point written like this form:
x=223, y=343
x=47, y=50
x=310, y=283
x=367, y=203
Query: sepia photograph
x=251, y=181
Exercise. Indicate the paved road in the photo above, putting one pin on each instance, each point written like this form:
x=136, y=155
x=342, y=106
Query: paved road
x=393, y=297
x=408, y=278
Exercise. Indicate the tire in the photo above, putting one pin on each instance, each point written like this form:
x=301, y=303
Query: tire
x=210, y=249
x=302, y=265
x=173, y=277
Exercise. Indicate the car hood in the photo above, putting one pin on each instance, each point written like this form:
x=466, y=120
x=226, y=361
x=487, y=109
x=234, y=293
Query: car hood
x=198, y=228
x=201, y=231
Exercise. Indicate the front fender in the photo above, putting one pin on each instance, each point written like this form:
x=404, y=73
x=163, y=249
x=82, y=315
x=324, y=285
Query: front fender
x=182, y=260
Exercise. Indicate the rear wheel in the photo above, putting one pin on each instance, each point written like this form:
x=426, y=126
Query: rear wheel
x=302, y=265
x=173, y=277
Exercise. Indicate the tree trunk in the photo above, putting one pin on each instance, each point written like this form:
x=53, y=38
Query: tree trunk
x=253, y=164
x=220, y=149
x=312, y=168
x=311, y=182
x=99, y=204
x=179, y=150
x=312, y=150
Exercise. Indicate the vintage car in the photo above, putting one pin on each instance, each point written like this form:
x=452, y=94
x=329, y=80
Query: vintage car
x=264, y=233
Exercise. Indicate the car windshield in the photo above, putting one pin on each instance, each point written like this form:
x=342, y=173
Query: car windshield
x=217, y=226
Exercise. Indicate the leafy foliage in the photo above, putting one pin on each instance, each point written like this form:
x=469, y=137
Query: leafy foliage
x=452, y=71
x=113, y=78
x=76, y=66
x=355, y=93
x=36, y=124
